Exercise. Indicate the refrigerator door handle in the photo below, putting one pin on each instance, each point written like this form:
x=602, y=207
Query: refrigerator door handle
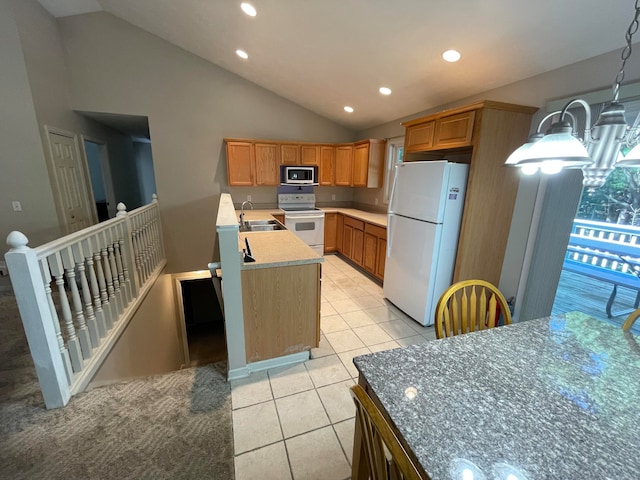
x=393, y=189
x=389, y=233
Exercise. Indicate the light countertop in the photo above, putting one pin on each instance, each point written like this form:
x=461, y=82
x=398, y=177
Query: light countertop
x=379, y=219
x=279, y=248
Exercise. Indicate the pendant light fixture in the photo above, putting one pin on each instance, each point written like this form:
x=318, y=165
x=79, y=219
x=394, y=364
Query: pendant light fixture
x=597, y=153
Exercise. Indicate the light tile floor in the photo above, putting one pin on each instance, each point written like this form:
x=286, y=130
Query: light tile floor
x=297, y=422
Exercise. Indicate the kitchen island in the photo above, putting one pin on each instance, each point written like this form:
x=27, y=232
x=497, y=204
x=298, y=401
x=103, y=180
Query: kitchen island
x=280, y=295
x=271, y=305
x=554, y=398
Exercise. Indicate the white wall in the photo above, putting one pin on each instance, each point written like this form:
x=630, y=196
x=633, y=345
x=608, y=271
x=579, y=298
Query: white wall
x=37, y=49
x=192, y=105
x=24, y=174
x=151, y=343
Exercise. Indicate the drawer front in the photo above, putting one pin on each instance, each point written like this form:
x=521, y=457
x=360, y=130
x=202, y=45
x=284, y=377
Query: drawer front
x=352, y=222
x=375, y=230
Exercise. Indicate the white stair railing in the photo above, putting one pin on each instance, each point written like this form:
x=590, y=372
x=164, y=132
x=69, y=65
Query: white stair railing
x=77, y=294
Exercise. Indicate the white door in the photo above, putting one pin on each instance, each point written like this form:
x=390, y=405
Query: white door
x=411, y=265
x=69, y=182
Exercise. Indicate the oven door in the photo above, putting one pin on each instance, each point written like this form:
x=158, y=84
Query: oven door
x=309, y=226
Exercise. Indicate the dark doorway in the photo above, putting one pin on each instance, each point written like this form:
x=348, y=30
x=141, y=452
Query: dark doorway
x=204, y=322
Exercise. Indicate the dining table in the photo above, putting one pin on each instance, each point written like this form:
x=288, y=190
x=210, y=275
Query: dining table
x=551, y=398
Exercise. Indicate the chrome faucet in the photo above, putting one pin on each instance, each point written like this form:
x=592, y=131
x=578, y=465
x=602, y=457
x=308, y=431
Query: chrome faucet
x=242, y=222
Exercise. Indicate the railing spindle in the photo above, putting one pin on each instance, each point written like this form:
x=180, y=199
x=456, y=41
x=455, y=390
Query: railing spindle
x=75, y=353
x=82, y=331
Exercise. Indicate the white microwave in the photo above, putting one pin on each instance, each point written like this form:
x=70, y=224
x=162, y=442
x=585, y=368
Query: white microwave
x=298, y=175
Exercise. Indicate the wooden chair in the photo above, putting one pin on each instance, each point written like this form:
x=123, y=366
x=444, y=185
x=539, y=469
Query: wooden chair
x=628, y=323
x=386, y=457
x=468, y=306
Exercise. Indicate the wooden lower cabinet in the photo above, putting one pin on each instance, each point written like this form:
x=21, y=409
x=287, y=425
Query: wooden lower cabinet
x=330, y=232
x=353, y=239
x=339, y=232
x=281, y=308
x=363, y=243
x=375, y=249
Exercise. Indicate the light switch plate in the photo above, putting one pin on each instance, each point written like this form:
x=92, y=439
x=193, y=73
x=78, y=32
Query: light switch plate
x=17, y=206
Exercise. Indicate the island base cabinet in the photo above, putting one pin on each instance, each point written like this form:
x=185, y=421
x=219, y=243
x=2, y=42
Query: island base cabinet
x=281, y=308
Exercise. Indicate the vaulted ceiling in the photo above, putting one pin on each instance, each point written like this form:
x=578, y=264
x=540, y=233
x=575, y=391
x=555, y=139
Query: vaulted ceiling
x=325, y=54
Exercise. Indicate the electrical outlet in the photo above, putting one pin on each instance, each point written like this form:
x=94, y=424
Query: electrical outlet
x=376, y=201
x=17, y=206
x=248, y=198
x=333, y=197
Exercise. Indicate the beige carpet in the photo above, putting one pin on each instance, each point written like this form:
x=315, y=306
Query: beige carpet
x=175, y=426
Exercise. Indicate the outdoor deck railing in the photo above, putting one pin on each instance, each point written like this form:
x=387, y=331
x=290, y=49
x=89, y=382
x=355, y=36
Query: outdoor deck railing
x=77, y=294
x=605, y=251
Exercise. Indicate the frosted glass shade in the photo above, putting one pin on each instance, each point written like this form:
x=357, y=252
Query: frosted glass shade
x=559, y=146
x=631, y=159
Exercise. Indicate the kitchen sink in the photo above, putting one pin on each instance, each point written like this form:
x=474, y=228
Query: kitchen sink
x=261, y=226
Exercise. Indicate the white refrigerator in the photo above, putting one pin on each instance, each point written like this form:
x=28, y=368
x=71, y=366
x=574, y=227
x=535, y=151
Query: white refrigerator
x=425, y=210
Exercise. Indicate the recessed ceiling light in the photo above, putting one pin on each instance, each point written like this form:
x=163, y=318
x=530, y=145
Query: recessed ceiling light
x=385, y=91
x=348, y=109
x=242, y=54
x=248, y=9
x=451, y=55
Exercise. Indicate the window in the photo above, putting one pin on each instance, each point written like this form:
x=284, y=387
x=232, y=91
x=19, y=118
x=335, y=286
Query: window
x=395, y=154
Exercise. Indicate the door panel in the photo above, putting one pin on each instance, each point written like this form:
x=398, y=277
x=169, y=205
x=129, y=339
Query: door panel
x=69, y=182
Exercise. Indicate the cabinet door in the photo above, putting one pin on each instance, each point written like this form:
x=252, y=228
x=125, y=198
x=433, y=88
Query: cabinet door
x=357, y=246
x=289, y=154
x=344, y=165
x=327, y=165
x=454, y=131
x=240, y=163
x=330, y=231
x=309, y=154
x=381, y=258
x=369, y=258
x=419, y=137
x=360, y=165
x=267, y=164
x=339, y=232
x=347, y=239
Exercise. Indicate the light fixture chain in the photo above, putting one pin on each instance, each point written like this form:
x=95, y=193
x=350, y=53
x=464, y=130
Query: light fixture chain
x=626, y=51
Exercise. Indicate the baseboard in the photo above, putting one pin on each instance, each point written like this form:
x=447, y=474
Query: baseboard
x=243, y=372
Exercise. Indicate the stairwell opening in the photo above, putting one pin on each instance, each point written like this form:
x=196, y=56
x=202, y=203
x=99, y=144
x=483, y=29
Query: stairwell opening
x=204, y=322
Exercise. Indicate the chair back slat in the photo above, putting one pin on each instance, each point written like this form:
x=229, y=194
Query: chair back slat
x=468, y=306
x=386, y=457
x=631, y=319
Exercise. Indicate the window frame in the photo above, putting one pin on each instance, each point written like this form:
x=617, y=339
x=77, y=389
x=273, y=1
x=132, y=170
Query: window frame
x=394, y=145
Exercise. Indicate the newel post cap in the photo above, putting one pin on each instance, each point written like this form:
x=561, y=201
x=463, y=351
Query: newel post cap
x=122, y=210
x=17, y=240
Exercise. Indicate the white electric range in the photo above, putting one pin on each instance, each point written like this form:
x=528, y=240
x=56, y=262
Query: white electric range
x=302, y=217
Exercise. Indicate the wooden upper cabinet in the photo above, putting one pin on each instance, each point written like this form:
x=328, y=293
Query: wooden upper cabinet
x=419, y=137
x=327, y=165
x=454, y=131
x=344, y=165
x=360, y=164
x=266, y=161
x=289, y=154
x=257, y=162
x=240, y=163
x=451, y=129
x=368, y=163
x=310, y=154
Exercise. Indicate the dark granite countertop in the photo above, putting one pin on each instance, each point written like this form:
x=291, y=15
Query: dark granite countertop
x=554, y=398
